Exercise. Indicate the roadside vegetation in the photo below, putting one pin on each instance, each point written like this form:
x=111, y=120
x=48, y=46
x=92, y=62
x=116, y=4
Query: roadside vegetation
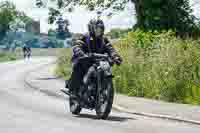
x=118, y=33
x=63, y=67
x=7, y=57
x=159, y=66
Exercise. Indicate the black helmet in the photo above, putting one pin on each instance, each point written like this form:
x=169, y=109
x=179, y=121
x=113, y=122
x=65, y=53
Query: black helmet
x=96, y=27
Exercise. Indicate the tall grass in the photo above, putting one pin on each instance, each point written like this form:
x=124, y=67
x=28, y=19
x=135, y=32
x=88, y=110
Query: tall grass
x=156, y=66
x=159, y=66
x=63, y=68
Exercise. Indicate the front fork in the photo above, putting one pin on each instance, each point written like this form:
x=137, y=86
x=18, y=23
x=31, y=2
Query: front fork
x=100, y=76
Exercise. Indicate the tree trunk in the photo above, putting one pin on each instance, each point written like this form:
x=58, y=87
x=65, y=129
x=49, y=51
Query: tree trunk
x=139, y=9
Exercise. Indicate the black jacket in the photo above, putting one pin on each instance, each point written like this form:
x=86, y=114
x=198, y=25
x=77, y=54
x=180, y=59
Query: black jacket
x=86, y=44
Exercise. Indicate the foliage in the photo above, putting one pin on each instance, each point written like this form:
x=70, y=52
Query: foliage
x=8, y=13
x=11, y=22
x=50, y=42
x=99, y=5
x=7, y=56
x=24, y=18
x=35, y=41
x=90, y=4
x=159, y=66
x=62, y=32
x=63, y=68
x=118, y=33
x=166, y=14
x=151, y=14
x=51, y=33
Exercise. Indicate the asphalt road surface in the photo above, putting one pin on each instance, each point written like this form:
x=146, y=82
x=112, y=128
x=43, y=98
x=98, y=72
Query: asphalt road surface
x=25, y=110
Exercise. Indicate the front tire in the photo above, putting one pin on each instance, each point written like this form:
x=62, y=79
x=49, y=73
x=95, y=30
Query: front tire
x=74, y=105
x=105, y=99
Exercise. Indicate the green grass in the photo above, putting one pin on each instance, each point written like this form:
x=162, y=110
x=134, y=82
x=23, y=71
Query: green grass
x=159, y=66
x=63, y=68
x=7, y=57
x=156, y=66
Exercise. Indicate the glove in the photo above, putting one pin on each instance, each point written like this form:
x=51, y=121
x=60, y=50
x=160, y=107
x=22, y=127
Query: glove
x=118, y=60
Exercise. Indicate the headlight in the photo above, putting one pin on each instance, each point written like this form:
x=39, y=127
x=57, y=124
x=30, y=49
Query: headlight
x=105, y=66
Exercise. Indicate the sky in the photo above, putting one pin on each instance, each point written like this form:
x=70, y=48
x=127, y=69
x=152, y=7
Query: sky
x=80, y=17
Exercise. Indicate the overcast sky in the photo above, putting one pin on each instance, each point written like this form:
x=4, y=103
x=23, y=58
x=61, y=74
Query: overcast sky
x=80, y=17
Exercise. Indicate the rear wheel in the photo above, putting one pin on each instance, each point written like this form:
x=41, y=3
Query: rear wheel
x=74, y=105
x=105, y=99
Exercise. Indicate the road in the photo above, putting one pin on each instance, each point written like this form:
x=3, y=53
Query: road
x=25, y=110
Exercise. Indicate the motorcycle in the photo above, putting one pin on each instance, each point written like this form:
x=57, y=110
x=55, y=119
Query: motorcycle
x=96, y=91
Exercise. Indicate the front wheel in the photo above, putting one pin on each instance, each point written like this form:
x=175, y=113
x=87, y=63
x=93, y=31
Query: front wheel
x=74, y=105
x=105, y=99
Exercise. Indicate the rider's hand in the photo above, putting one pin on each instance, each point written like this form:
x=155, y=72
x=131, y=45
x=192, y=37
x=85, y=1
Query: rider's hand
x=118, y=60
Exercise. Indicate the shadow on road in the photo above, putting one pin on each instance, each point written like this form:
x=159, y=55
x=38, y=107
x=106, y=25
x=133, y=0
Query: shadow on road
x=110, y=118
x=52, y=78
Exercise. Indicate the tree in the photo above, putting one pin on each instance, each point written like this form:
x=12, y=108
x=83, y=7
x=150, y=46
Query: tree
x=164, y=14
x=98, y=5
x=24, y=18
x=8, y=14
x=11, y=18
x=151, y=14
x=51, y=33
x=62, y=29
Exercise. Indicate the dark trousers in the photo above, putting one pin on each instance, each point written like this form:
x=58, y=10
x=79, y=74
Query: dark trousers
x=27, y=53
x=78, y=71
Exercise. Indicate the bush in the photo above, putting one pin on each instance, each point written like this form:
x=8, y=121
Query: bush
x=118, y=33
x=159, y=66
x=4, y=56
x=63, y=68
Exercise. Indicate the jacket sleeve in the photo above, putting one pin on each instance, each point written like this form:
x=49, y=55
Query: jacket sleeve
x=77, y=48
x=109, y=48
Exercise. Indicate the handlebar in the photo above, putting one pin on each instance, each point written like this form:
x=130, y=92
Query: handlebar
x=98, y=55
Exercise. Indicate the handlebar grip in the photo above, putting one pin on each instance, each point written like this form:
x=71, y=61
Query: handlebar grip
x=99, y=55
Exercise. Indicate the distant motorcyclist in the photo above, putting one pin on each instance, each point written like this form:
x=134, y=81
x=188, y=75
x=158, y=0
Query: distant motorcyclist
x=93, y=42
x=26, y=51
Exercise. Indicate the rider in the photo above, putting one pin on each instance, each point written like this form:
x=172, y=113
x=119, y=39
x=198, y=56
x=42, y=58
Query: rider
x=26, y=51
x=94, y=42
